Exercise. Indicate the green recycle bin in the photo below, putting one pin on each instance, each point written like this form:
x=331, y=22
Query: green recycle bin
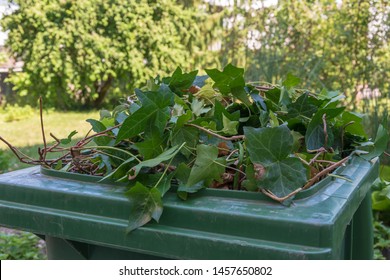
x=82, y=219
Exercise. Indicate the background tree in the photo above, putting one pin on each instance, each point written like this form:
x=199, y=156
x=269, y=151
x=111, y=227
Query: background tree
x=77, y=53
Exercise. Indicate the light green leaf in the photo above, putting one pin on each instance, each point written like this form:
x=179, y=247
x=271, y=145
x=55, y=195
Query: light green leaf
x=198, y=108
x=291, y=81
x=352, y=123
x=380, y=143
x=165, y=156
x=229, y=126
x=207, y=166
x=146, y=204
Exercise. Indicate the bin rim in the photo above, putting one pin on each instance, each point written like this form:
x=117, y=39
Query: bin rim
x=208, y=191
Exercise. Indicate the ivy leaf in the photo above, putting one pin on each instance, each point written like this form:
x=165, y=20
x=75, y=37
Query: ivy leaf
x=380, y=143
x=207, y=92
x=67, y=140
x=198, y=108
x=152, y=146
x=179, y=80
x=146, y=204
x=207, y=166
x=153, y=110
x=188, y=135
x=291, y=81
x=315, y=135
x=284, y=176
x=302, y=107
x=97, y=127
x=200, y=81
x=229, y=126
x=165, y=156
x=230, y=80
x=220, y=112
x=352, y=123
x=271, y=147
x=268, y=145
x=165, y=185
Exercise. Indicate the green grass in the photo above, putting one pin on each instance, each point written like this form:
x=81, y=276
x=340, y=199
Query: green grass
x=26, y=134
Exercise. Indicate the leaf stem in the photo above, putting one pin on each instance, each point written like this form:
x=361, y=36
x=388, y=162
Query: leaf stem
x=232, y=138
x=108, y=148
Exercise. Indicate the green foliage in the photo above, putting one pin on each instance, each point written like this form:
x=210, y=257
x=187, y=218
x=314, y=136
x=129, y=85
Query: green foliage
x=381, y=241
x=80, y=53
x=13, y=113
x=238, y=137
x=22, y=246
x=381, y=195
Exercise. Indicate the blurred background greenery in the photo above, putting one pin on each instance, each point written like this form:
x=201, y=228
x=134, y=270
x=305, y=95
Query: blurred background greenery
x=84, y=55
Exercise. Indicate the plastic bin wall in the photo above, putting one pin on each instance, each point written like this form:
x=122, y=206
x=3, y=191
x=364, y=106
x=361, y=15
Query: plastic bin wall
x=83, y=219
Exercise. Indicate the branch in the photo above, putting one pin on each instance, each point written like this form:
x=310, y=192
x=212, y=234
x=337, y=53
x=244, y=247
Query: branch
x=308, y=184
x=83, y=141
x=43, y=154
x=232, y=138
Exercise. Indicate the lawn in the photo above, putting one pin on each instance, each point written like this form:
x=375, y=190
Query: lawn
x=26, y=133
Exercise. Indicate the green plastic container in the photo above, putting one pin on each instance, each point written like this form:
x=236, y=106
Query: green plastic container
x=82, y=219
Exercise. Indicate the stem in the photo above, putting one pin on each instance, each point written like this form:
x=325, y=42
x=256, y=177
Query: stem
x=82, y=142
x=308, y=184
x=17, y=153
x=320, y=152
x=325, y=130
x=232, y=138
x=165, y=172
x=232, y=168
x=108, y=148
x=43, y=155
x=327, y=170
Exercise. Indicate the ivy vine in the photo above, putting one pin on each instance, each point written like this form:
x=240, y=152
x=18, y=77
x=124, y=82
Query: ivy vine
x=215, y=131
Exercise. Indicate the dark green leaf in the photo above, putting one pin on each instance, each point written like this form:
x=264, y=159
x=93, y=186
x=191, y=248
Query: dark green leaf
x=284, y=176
x=153, y=111
x=188, y=135
x=302, y=107
x=268, y=145
x=146, y=204
x=97, y=127
x=165, y=184
x=191, y=188
x=315, y=136
x=152, y=146
x=180, y=81
x=200, y=80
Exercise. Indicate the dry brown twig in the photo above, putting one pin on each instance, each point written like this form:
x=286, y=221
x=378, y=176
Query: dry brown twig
x=309, y=183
